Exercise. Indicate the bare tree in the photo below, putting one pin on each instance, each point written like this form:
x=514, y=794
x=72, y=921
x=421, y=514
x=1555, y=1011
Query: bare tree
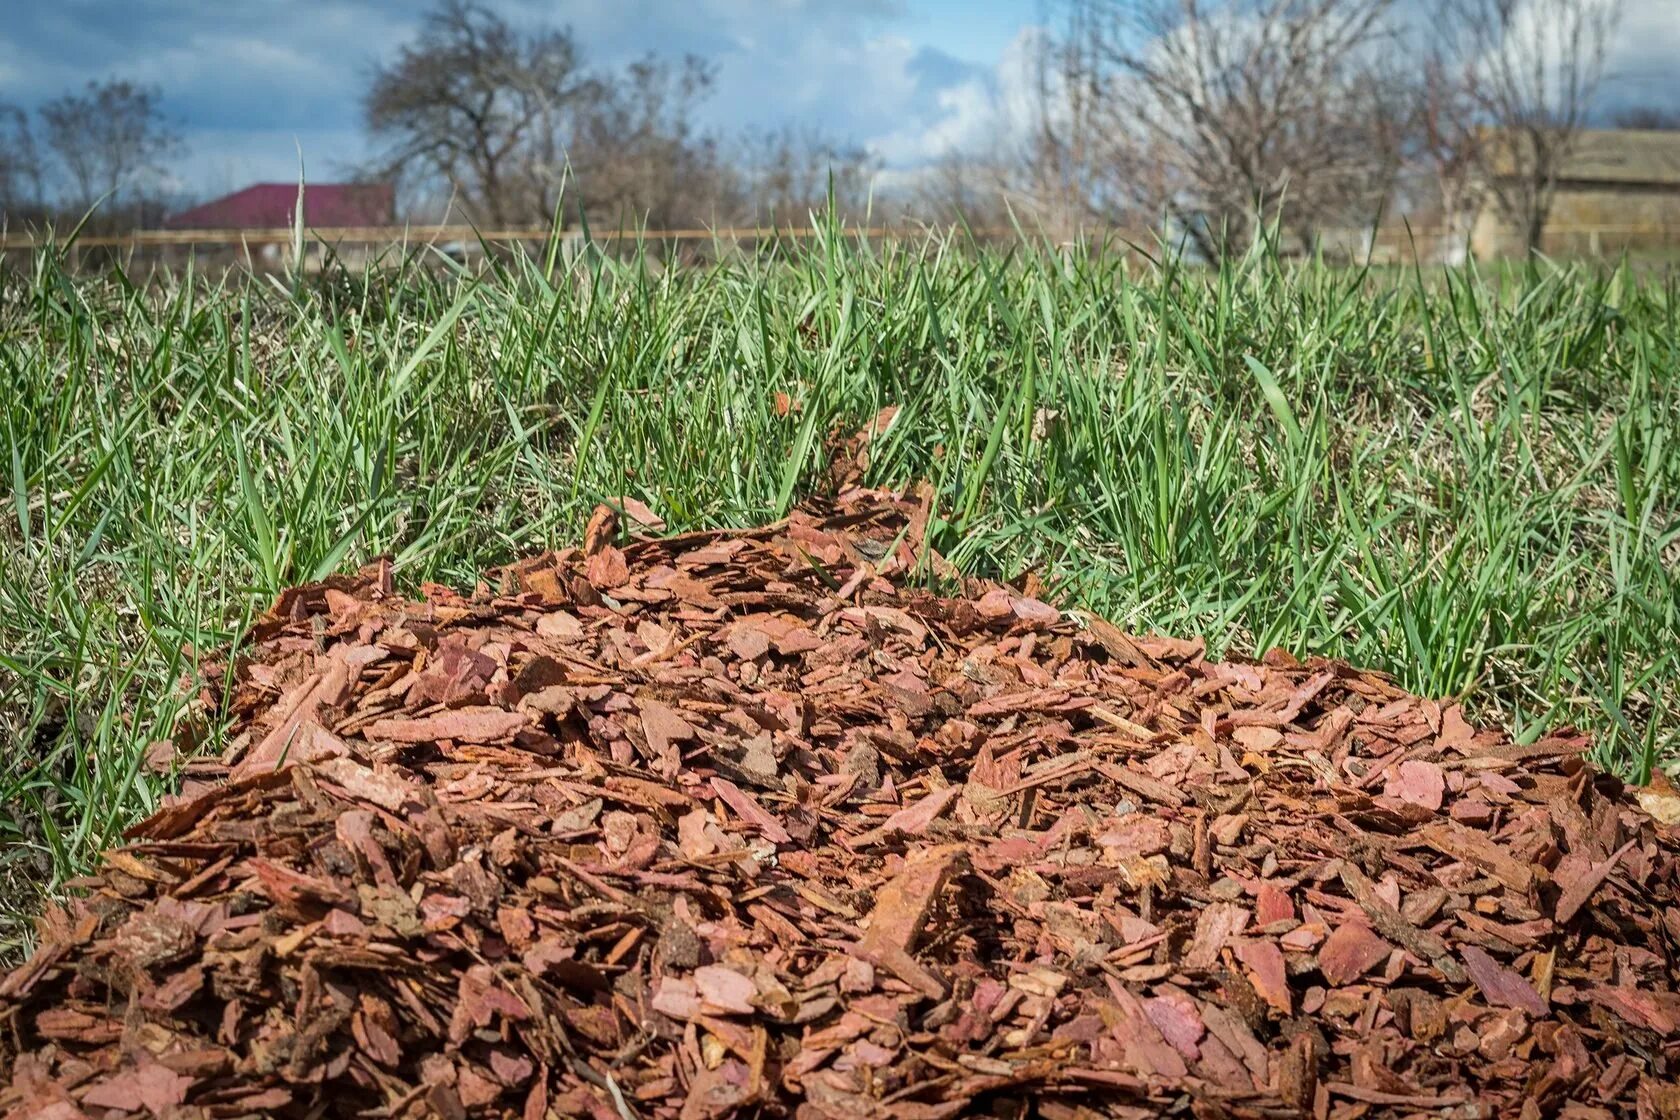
x=480, y=108
x=20, y=165
x=1071, y=165
x=1447, y=145
x=511, y=124
x=791, y=171
x=1221, y=114
x=639, y=154
x=1530, y=70
x=108, y=140
x=965, y=187
x=1049, y=163
x=502, y=118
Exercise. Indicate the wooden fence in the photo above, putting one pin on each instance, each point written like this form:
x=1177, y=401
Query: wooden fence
x=424, y=235
x=1386, y=243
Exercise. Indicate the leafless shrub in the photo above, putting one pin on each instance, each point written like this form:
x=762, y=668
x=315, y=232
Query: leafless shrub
x=790, y=172
x=1650, y=118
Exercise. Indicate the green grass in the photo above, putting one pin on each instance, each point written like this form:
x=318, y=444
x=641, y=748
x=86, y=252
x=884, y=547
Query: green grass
x=1466, y=480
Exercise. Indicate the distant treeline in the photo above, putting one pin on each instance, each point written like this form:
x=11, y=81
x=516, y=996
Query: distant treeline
x=1211, y=119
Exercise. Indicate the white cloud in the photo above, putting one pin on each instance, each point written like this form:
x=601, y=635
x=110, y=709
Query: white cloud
x=985, y=112
x=835, y=63
x=243, y=76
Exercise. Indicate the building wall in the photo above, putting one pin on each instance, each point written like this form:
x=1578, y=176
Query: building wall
x=1591, y=218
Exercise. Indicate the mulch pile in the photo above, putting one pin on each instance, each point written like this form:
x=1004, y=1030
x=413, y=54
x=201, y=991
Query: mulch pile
x=749, y=824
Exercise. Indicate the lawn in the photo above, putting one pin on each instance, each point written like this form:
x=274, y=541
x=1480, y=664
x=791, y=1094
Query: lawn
x=1464, y=479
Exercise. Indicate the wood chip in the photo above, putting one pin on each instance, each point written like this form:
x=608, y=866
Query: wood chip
x=753, y=824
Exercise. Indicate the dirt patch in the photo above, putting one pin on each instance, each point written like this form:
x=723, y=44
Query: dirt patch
x=746, y=824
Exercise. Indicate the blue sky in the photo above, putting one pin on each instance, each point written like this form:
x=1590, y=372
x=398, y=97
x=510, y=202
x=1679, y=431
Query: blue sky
x=247, y=80
x=243, y=78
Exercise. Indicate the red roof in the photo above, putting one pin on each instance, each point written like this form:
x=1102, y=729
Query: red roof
x=274, y=205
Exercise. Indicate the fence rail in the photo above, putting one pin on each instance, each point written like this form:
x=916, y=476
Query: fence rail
x=400, y=235
x=1386, y=238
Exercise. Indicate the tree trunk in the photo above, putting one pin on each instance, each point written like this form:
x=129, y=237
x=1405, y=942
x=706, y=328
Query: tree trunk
x=494, y=205
x=1536, y=230
x=1454, y=234
x=1539, y=213
x=1207, y=242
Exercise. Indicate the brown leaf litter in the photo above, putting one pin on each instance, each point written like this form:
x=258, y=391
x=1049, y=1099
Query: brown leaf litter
x=749, y=824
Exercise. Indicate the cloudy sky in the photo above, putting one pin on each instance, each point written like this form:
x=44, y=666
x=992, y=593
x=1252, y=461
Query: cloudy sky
x=247, y=80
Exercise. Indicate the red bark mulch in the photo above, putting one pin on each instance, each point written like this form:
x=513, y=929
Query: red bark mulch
x=748, y=824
